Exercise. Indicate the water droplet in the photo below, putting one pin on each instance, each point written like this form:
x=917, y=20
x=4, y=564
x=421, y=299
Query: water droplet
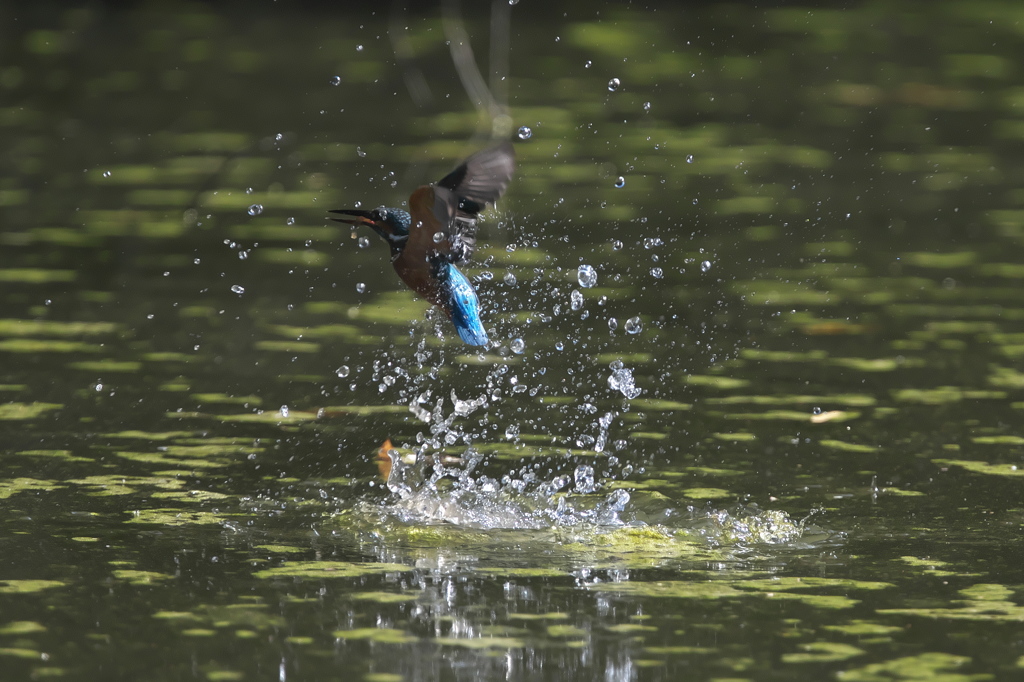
x=622, y=380
x=278, y=137
x=525, y=133
x=106, y=174
x=509, y=279
x=363, y=242
x=576, y=299
x=587, y=276
x=613, y=324
x=290, y=221
x=342, y=371
x=694, y=202
x=614, y=84
x=284, y=411
x=633, y=325
x=559, y=346
x=359, y=48
x=512, y=432
x=361, y=287
x=255, y=209
x=518, y=346
x=816, y=410
x=657, y=273
x=705, y=266
x=513, y=3
x=238, y=289
x=689, y=158
x=651, y=242
x=336, y=80
x=616, y=245
x=360, y=153
x=647, y=106
x=438, y=237
x=620, y=182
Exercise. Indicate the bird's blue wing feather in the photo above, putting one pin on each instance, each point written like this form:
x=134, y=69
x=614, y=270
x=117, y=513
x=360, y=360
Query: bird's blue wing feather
x=465, y=308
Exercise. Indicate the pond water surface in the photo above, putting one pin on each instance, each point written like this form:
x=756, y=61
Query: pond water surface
x=752, y=407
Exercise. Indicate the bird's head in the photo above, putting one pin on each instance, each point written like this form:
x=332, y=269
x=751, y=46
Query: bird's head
x=392, y=224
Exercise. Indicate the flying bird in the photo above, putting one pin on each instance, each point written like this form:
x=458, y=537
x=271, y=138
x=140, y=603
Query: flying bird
x=438, y=233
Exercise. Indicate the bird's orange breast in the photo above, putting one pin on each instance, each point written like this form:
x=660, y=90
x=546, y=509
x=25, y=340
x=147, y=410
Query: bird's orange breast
x=412, y=264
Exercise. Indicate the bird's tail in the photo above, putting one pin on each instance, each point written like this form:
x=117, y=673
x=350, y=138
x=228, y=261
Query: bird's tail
x=464, y=309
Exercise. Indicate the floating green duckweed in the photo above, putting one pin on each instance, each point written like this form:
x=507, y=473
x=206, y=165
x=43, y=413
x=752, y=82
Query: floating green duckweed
x=566, y=631
x=135, y=577
x=864, y=628
x=21, y=411
x=318, y=570
x=62, y=455
x=12, y=486
x=175, y=517
x=106, y=365
x=555, y=615
x=384, y=597
x=849, y=447
x=22, y=627
x=714, y=381
x=28, y=586
x=47, y=346
x=927, y=666
x=822, y=652
x=14, y=652
x=1007, y=470
x=482, y=642
x=36, y=275
x=630, y=628
x=708, y=493
x=382, y=635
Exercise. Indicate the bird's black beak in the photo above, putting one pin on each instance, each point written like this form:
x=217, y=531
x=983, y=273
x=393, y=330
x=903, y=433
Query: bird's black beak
x=360, y=217
x=365, y=215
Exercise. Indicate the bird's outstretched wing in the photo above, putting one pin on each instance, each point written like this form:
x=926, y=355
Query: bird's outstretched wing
x=459, y=197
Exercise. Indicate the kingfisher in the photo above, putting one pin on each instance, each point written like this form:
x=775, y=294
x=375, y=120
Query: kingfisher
x=438, y=233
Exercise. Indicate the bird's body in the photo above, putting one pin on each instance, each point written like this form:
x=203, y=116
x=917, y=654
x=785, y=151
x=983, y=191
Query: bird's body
x=438, y=232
